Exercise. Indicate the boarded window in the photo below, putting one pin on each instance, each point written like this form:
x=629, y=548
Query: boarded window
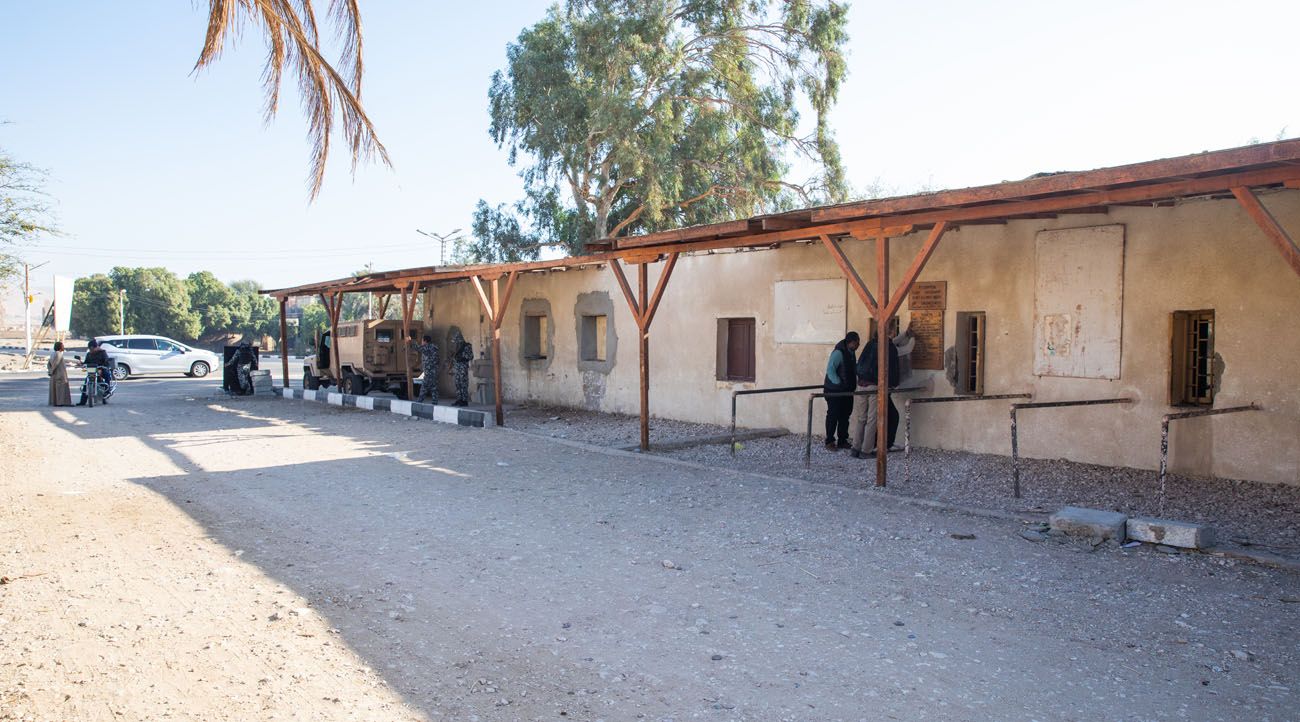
x=535, y=329
x=1191, y=366
x=736, y=349
x=592, y=343
x=970, y=352
x=1079, y=302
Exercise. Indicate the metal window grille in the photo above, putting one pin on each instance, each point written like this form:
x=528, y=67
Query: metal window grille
x=1192, y=365
x=970, y=352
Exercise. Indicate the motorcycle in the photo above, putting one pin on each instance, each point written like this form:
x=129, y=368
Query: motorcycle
x=98, y=386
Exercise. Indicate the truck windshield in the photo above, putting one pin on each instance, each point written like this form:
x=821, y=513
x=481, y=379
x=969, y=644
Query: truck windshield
x=384, y=336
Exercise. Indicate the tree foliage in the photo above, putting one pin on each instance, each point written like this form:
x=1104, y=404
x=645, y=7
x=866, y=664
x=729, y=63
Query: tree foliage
x=293, y=39
x=638, y=115
x=216, y=304
x=24, y=213
x=497, y=237
x=157, y=302
x=95, y=305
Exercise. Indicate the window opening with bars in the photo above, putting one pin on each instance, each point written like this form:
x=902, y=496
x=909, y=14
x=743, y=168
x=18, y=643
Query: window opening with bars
x=1191, y=365
x=970, y=352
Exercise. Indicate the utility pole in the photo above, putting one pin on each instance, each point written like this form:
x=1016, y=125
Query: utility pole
x=27, y=305
x=442, y=239
x=121, y=311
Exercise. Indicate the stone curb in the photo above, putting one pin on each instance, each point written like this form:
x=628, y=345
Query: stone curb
x=430, y=412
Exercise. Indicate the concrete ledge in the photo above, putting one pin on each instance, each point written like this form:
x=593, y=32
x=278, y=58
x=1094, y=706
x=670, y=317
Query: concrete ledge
x=1172, y=533
x=1094, y=523
x=443, y=414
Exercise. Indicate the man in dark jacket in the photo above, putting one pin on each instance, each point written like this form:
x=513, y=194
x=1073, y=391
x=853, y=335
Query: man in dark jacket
x=840, y=377
x=864, y=436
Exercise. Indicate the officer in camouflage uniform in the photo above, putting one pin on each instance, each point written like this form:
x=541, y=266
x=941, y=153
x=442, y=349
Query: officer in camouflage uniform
x=429, y=360
x=462, y=355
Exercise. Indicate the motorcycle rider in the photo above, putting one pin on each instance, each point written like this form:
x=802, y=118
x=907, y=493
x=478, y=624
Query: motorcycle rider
x=96, y=358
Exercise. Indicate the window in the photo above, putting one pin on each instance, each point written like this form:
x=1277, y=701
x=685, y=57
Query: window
x=592, y=343
x=1191, y=366
x=736, y=349
x=141, y=344
x=970, y=352
x=383, y=335
x=535, y=335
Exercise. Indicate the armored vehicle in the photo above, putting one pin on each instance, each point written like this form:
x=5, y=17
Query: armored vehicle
x=370, y=358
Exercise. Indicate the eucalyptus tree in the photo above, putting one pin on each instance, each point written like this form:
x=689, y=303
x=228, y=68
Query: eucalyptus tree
x=637, y=115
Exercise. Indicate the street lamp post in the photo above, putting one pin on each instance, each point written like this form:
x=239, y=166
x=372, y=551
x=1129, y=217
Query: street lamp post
x=442, y=239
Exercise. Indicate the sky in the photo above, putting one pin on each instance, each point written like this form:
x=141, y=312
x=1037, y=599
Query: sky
x=152, y=164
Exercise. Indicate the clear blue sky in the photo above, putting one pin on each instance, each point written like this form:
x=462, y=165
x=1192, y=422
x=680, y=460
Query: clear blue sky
x=151, y=165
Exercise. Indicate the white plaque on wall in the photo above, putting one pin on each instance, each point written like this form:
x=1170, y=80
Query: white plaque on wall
x=810, y=311
x=1079, y=302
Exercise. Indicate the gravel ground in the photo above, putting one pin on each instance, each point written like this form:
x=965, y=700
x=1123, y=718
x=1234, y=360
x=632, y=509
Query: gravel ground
x=1247, y=513
x=180, y=555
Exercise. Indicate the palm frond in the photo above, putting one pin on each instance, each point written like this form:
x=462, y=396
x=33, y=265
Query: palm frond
x=293, y=39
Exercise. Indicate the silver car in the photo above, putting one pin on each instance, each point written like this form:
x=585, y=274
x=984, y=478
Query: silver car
x=139, y=354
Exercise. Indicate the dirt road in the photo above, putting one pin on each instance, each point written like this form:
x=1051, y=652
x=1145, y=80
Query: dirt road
x=176, y=555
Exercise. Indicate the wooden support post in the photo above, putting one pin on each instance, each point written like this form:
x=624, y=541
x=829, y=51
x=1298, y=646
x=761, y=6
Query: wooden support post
x=284, y=342
x=405, y=345
x=1269, y=225
x=644, y=306
x=495, y=308
x=334, y=307
x=384, y=298
x=918, y=264
x=882, y=361
x=850, y=273
x=642, y=280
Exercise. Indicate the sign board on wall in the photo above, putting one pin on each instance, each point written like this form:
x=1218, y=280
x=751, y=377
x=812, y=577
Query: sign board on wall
x=810, y=311
x=927, y=328
x=928, y=296
x=1079, y=302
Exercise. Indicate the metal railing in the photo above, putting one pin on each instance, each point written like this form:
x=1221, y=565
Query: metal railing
x=1164, y=436
x=906, y=418
x=750, y=392
x=807, y=449
x=906, y=410
x=1015, y=438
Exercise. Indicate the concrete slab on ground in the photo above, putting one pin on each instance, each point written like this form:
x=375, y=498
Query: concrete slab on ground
x=1094, y=523
x=1172, y=533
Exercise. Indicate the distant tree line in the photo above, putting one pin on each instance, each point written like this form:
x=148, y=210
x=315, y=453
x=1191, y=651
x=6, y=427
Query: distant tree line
x=157, y=301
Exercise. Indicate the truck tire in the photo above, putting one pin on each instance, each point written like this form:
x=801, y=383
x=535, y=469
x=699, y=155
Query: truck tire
x=309, y=380
x=354, y=384
x=400, y=392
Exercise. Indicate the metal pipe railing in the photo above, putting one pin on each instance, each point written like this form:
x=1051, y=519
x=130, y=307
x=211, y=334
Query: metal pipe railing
x=906, y=410
x=807, y=449
x=1164, y=437
x=906, y=418
x=749, y=392
x=1015, y=439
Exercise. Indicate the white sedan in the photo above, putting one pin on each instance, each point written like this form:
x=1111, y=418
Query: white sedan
x=139, y=354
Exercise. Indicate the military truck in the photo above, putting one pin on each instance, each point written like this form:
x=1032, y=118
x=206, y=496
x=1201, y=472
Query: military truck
x=370, y=359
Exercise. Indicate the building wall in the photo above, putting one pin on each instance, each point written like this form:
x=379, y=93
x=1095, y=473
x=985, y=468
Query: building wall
x=1199, y=254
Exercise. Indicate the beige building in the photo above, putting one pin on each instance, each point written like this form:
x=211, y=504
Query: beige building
x=1158, y=286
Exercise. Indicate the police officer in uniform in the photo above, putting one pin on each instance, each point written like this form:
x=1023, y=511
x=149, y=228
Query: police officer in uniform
x=462, y=355
x=429, y=361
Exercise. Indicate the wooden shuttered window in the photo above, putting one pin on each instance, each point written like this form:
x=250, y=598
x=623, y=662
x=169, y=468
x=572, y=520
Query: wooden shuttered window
x=736, y=349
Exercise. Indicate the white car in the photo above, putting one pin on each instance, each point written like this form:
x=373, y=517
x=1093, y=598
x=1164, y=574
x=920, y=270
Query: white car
x=139, y=354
